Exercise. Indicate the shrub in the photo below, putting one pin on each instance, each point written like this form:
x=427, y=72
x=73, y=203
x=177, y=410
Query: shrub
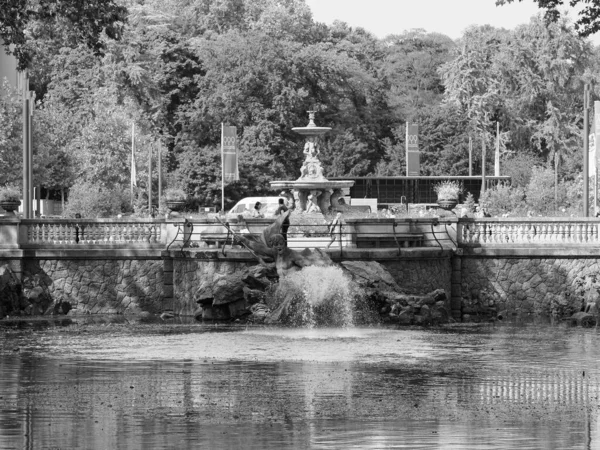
x=540, y=192
x=92, y=201
x=448, y=189
x=470, y=203
x=10, y=194
x=503, y=199
x=174, y=195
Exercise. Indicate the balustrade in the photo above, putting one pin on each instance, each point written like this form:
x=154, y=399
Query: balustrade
x=100, y=232
x=527, y=232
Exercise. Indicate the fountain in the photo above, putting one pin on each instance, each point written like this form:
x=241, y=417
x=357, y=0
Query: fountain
x=313, y=192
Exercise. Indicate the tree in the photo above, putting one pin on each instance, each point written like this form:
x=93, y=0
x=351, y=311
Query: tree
x=589, y=17
x=87, y=21
x=11, y=154
x=411, y=68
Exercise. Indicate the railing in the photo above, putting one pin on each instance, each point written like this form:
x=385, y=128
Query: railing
x=525, y=232
x=80, y=233
x=355, y=233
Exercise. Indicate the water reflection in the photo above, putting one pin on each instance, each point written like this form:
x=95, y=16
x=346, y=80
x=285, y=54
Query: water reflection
x=107, y=385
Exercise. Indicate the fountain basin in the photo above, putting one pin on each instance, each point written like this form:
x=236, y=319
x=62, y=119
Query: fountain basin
x=311, y=185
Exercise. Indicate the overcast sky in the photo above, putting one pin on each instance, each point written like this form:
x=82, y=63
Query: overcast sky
x=450, y=17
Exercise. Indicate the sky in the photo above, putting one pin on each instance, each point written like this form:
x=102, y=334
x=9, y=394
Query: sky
x=449, y=17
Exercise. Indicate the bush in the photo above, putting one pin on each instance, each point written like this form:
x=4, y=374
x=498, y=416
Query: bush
x=540, y=192
x=93, y=201
x=503, y=199
x=10, y=194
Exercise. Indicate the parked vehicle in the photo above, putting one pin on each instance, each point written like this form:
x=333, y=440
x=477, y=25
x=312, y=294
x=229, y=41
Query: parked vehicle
x=246, y=205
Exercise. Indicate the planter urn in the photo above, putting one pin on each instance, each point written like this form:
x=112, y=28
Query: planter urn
x=10, y=206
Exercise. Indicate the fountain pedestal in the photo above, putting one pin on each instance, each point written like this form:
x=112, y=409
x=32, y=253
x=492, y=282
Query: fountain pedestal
x=312, y=192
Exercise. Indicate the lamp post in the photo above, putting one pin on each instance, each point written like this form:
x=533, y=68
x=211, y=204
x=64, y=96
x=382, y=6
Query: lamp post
x=586, y=158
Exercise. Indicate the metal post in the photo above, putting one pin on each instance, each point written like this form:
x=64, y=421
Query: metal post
x=470, y=156
x=150, y=179
x=26, y=161
x=483, y=157
x=586, y=170
x=159, y=157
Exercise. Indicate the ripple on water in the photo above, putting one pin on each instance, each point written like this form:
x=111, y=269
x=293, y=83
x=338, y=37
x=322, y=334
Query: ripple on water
x=490, y=387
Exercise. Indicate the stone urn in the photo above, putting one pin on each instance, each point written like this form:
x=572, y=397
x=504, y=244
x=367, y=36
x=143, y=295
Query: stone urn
x=447, y=203
x=175, y=205
x=10, y=206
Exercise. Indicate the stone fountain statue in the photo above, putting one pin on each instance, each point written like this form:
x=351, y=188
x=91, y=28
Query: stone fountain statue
x=313, y=192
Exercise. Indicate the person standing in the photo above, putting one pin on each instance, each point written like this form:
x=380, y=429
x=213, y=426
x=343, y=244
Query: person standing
x=281, y=208
x=256, y=211
x=335, y=228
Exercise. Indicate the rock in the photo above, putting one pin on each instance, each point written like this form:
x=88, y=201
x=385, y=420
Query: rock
x=198, y=313
x=406, y=316
x=438, y=295
x=371, y=274
x=228, y=289
x=253, y=296
x=255, y=283
x=238, y=308
x=260, y=312
x=439, y=314
x=583, y=319
x=424, y=300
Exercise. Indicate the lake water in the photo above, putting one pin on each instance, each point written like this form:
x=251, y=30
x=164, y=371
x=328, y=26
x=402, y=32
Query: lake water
x=117, y=385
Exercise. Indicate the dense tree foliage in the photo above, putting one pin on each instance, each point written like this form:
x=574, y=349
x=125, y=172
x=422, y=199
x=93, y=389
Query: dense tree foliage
x=180, y=68
x=588, y=21
x=84, y=21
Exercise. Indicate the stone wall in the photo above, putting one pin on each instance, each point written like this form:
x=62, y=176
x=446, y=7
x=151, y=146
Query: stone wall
x=420, y=276
x=539, y=286
x=110, y=286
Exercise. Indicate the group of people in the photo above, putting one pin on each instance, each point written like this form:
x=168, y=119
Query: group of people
x=334, y=227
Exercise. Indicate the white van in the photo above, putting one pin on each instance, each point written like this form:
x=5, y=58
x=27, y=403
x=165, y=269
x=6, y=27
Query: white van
x=246, y=205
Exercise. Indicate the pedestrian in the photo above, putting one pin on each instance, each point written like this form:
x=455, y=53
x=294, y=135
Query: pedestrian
x=256, y=211
x=335, y=228
x=281, y=208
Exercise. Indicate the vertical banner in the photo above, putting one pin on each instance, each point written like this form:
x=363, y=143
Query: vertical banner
x=412, y=149
x=133, y=169
x=229, y=154
x=595, y=154
x=596, y=136
x=229, y=159
x=592, y=156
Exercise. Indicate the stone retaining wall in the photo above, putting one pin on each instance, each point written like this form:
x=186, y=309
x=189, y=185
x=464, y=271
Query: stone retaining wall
x=533, y=286
x=110, y=286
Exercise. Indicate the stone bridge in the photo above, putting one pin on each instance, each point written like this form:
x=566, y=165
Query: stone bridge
x=491, y=267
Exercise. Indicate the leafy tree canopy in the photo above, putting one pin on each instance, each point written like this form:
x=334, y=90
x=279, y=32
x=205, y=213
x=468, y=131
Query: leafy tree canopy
x=87, y=21
x=588, y=21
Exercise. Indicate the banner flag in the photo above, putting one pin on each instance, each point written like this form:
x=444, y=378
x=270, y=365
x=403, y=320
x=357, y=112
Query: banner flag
x=229, y=154
x=592, y=155
x=593, y=160
x=412, y=150
x=133, y=169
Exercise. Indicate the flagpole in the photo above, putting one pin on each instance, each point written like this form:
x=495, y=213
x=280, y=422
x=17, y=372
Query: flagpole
x=150, y=179
x=132, y=181
x=222, y=172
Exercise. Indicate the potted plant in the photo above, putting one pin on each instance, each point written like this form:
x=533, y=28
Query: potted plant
x=175, y=198
x=448, y=193
x=10, y=199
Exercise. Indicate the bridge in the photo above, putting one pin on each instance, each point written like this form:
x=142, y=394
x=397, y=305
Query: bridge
x=527, y=266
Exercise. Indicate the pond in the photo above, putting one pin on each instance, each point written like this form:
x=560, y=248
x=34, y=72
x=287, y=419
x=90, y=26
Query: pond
x=119, y=384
